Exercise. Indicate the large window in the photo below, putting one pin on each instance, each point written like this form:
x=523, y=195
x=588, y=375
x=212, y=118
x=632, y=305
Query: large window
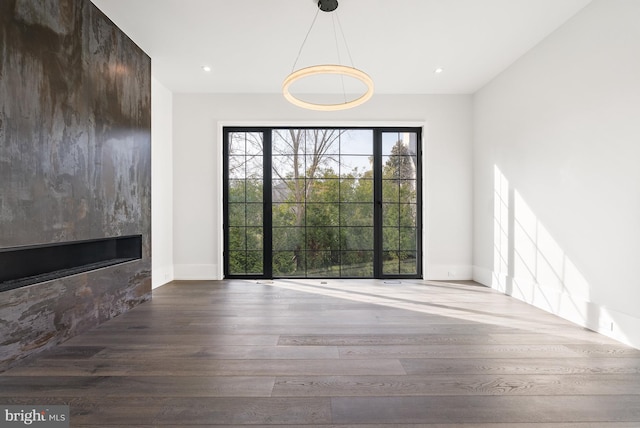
x=245, y=204
x=328, y=202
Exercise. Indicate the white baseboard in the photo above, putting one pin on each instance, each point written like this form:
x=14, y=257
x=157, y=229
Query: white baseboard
x=483, y=276
x=608, y=322
x=161, y=275
x=197, y=272
x=448, y=272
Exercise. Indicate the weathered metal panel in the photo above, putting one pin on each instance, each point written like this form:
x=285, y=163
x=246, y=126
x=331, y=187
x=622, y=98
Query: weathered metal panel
x=75, y=163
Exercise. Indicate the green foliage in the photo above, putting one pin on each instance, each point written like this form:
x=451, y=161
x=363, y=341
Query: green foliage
x=245, y=231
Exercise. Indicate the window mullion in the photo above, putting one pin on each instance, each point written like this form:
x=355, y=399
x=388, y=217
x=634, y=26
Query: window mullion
x=377, y=203
x=267, y=197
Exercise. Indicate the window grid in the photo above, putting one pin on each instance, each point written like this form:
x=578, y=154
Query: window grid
x=348, y=240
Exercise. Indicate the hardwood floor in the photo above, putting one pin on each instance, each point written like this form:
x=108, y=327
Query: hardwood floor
x=335, y=353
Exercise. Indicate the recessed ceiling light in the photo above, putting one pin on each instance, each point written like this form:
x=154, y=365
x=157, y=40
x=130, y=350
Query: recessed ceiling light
x=206, y=68
x=438, y=70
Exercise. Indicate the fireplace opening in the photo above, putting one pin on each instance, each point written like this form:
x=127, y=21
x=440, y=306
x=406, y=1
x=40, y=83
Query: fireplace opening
x=22, y=266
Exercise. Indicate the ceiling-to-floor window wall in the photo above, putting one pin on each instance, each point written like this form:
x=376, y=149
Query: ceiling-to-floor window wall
x=322, y=202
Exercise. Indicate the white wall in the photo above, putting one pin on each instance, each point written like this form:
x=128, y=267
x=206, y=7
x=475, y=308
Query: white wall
x=197, y=149
x=161, y=185
x=557, y=138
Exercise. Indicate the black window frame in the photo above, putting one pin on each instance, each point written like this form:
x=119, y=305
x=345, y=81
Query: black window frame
x=377, y=132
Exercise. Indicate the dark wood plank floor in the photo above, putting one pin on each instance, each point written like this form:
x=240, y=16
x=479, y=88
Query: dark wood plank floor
x=357, y=354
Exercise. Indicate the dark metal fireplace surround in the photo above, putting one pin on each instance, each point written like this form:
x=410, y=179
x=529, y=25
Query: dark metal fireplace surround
x=22, y=266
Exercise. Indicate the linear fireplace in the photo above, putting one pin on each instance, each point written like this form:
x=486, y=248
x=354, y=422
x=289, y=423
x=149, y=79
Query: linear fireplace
x=22, y=266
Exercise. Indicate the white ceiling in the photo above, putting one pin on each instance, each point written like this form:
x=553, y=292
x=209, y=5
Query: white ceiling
x=251, y=45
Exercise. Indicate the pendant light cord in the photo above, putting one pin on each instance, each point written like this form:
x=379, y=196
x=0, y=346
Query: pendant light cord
x=335, y=37
x=344, y=40
x=305, y=40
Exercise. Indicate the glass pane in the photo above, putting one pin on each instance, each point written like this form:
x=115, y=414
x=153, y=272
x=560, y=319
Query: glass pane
x=399, y=167
x=288, y=238
x=237, y=214
x=355, y=166
x=288, y=190
x=289, y=263
x=357, y=142
x=390, y=238
x=356, y=264
x=390, y=191
x=236, y=167
x=407, y=166
x=408, y=262
x=253, y=167
x=322, y=141
x=237, y=262
x=325, y=190
x=322, y=214
x=245, y=143
x=399, y=262
x=236, y=143
x=356, y=214
x=288, y=214
x=284, y=141
x=356, y=190
x=408, y=193
x=255, y=238
x=254, y=214
x=390, y=263
x=399, y=143
x=237, y=191
x=324, y=166
x=237, y=238
x=408, y=215
x=390, y=215
x=288, y=167
x=254, y=190
x=254, y=262
x=389, y=140
x=254, y=143
x=323, y=263
x=323, y=238
x=400, y=215
x=356, y=238
x=408, y=239
x=389, y=171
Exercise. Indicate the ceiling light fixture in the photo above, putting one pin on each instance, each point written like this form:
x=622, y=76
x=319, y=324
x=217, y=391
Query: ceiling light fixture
x=438, y=70
x=327, y=69
x=206, y=68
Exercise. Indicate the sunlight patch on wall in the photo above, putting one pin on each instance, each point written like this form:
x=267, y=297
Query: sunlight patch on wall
x=539, y=259
x=500, y=230
x=529, y=264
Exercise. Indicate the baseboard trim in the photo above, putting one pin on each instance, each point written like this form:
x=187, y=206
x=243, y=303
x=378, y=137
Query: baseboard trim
x=161, y=275
x=482, y=275
x=202, y=272
x=448, y=272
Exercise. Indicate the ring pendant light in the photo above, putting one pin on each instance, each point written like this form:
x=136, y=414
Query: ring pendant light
x=327, y=69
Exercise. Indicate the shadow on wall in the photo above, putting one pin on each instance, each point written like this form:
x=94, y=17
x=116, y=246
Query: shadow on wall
x=531, y=266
